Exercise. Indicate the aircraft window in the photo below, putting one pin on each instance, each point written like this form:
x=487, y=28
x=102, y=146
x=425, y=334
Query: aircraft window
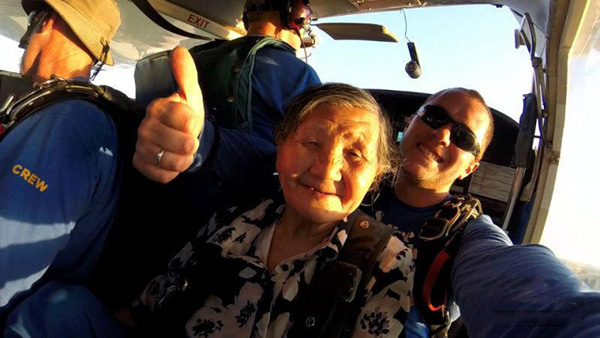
x=572, y=228
x=11, y=55
x=470, y=46
x=118, y=77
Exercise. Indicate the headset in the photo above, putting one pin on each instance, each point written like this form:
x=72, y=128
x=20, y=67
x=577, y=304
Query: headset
x=294, y=14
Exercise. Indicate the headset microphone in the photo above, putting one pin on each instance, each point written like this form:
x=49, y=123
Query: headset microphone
x=413, y=67
x=310, y=39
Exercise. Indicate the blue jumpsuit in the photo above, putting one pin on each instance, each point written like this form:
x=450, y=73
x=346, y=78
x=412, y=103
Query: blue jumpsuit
x=60, y=184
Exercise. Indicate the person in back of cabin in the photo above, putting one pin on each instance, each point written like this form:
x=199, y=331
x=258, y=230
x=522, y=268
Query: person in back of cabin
x=245, y=84
x=59, y=169
x=250, y=271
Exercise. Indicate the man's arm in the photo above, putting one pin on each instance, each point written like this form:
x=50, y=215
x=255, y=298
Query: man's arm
x=506, y=290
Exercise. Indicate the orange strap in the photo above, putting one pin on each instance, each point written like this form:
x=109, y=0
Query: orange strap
x=432, y=275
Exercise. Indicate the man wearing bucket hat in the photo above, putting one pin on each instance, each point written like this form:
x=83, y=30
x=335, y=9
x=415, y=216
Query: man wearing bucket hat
x=59, y=170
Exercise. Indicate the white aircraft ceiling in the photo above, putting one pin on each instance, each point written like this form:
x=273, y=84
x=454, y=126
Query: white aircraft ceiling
x=139, y=36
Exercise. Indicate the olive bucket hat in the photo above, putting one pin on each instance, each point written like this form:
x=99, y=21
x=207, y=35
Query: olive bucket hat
x=95, y=22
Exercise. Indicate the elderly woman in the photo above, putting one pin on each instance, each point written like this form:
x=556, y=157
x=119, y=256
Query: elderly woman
x=250, y=270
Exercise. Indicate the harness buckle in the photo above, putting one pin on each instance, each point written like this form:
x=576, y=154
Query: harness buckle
x=451, y=218
x=6, y=104
x=53, y=81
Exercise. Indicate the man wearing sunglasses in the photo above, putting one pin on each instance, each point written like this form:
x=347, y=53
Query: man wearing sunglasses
x=444, y=141
x=59, y=169
x=502, y=290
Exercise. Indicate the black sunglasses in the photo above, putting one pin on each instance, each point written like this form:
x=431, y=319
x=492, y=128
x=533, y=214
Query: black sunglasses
x=37, y=19
x=462, y=137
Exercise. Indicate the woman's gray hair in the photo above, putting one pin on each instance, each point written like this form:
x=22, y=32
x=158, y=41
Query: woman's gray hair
x=341, y=95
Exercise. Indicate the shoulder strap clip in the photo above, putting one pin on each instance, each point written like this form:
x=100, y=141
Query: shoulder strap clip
x=440, y=236
x=451, y=218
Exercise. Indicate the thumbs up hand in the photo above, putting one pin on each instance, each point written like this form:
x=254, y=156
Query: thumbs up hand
x=168, y=135
x=186, y=76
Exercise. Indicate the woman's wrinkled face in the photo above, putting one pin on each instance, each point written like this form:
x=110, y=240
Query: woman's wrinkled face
x=327, y=165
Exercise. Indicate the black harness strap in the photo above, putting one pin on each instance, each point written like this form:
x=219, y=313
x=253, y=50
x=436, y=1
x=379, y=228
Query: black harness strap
x=440, y=239
x=125, y=112
x=337, y=290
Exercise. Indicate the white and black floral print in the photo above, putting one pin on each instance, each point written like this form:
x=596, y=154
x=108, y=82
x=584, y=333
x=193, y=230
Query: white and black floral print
x=243, y=299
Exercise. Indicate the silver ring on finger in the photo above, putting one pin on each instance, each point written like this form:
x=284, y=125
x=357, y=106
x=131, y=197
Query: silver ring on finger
x=159, y=156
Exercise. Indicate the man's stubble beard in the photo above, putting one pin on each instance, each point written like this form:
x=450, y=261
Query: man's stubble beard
x=417, y=181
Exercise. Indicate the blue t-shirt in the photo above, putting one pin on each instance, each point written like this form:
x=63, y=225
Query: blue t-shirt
x=408, y=220
x=59, y=177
